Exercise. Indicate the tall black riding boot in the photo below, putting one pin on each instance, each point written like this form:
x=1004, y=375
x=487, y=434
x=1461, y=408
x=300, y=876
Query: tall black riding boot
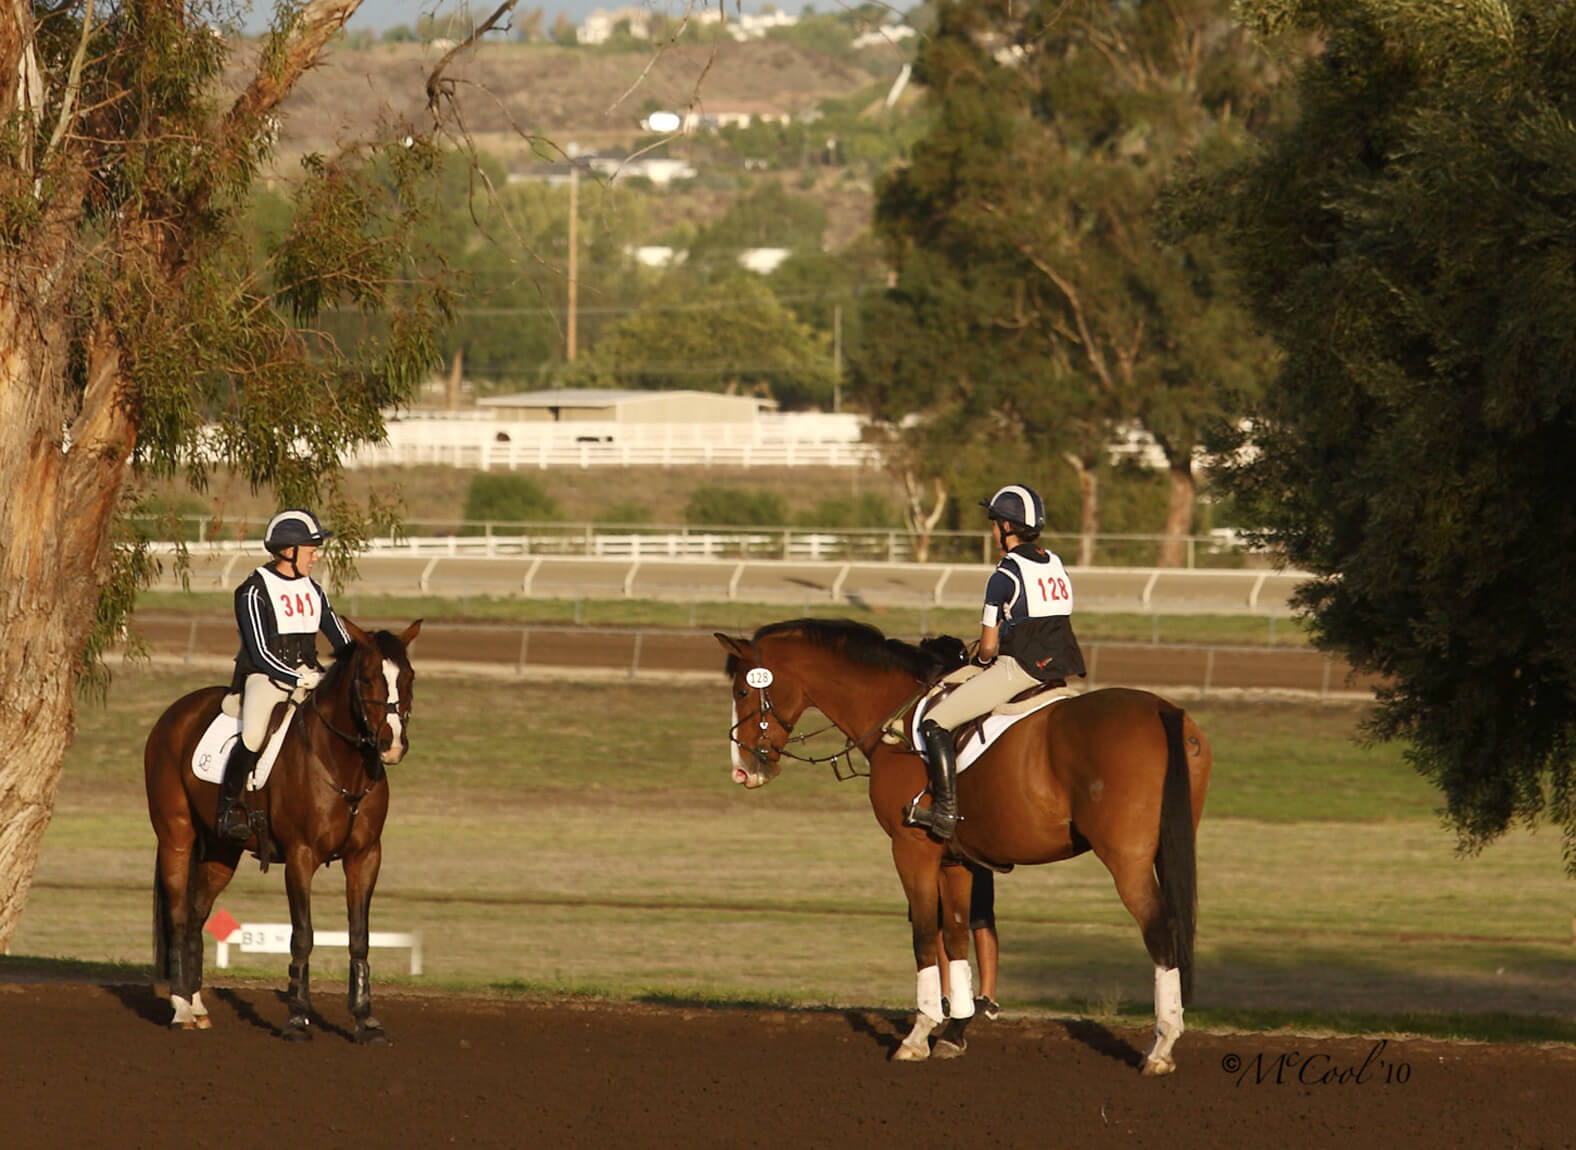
x=230, y=822
x=941, y=818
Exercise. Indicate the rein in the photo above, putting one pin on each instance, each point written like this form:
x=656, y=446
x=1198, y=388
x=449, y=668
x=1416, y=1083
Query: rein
x=841, y=760
x=365, y=742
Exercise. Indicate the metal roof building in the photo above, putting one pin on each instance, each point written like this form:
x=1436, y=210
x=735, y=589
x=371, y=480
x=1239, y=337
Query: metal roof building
x=601, y=405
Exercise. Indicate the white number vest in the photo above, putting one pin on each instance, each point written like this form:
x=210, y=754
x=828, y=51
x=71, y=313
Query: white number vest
x=296, y=604
x=1043, y=588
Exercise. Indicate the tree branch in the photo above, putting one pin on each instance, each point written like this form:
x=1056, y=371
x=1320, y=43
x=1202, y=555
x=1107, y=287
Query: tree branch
x=439, y=88
x=73, y=85
x=279, y=70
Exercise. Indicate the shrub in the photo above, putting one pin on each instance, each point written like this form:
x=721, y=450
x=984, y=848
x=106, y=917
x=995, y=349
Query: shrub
x=508, y=499
x=716, y=505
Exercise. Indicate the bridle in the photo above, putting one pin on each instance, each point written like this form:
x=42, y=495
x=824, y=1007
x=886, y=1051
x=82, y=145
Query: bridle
x=364, y=740
x=842, y=760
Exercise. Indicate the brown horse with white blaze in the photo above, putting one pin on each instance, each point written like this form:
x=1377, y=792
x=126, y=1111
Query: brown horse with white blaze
x=1120, y=772
x=326, y=798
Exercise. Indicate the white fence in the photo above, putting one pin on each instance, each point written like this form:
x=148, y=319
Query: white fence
x=274, y=938
x=641, y=541
x=482, y=444
x=448, y=572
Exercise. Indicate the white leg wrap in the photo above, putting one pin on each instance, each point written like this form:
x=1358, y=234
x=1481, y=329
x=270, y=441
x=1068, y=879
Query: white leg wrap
x=197, y=1007
x=1168, y=1022
x=929, y=992
x=1168, y=1001
x=183, y=1012
x=960, y=980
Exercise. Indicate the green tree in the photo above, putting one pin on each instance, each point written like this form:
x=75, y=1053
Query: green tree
x=1410, y=241
x=728, y=335
x=1023, y=233
x=140, y=337
x=768, y=216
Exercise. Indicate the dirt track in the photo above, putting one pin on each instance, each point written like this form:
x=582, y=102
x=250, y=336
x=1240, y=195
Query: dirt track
x=91, y=1065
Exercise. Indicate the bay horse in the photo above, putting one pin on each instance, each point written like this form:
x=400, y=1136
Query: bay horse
x=326, y=798
x=1117, y=771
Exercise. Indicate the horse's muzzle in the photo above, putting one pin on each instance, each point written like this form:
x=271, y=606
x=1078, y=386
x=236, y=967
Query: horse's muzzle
x=760, y=771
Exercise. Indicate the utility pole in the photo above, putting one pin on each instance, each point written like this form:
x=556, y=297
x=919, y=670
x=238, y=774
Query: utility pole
x=837, y=357
x=574, y=244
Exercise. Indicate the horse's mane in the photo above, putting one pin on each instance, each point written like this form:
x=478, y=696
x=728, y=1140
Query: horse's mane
x=867, y=646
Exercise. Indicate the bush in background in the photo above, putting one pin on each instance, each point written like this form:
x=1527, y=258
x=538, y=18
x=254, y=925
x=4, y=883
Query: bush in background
x=507, y=498
x=717, y=505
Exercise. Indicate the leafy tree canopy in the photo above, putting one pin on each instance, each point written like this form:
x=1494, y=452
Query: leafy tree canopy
x=1033, y=295
x=726, y=335
x=1410, y=240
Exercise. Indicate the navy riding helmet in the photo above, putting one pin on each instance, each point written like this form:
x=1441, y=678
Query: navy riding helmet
x=293, y=527
x=1018, y=505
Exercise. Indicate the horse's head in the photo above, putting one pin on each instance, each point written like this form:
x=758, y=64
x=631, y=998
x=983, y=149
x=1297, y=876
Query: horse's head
x=381, y=685
x=766, y=705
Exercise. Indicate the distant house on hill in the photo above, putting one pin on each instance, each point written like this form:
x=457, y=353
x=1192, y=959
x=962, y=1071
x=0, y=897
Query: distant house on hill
x=599, y=25
x=746, y=25
x=886, y=34
x=738, y=114
x=610, y=165
x=763, y=261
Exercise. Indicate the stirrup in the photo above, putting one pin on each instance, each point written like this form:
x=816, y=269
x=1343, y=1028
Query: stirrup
x=941, y=825
x=234, y=824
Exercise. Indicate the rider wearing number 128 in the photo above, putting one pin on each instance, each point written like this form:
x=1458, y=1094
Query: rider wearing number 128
x=279, y=609
x=1026, y=637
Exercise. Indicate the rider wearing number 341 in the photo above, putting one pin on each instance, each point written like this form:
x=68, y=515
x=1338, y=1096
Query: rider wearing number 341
x=1026, y=637
x=279, y=609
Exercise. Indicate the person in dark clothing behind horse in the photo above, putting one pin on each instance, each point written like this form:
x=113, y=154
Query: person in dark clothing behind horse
x=279, y=610
x=1026, y=637
x=987, y=945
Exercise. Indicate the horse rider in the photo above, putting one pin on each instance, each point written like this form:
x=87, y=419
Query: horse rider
x=279, y=609
x=1026, y=638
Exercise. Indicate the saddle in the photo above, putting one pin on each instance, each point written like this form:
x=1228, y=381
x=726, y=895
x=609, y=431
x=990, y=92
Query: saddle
x=898, y=727
x=213, y=750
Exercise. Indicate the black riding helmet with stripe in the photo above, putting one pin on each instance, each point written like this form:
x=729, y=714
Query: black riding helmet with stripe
x=1019, y=508
x=293, y=527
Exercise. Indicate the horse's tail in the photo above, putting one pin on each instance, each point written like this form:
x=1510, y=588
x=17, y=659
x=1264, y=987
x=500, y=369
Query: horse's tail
x=1176, y=861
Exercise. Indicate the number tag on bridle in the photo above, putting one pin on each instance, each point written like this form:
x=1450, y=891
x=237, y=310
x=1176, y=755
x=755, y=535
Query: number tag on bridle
x=758, y=677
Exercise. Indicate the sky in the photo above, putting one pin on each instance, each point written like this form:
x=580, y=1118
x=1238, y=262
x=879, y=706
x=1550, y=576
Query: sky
x=378, y=15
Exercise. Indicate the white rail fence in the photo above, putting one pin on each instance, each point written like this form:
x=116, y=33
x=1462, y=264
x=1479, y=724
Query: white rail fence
x=448, y=571
x=783, y=441
x=636, y=541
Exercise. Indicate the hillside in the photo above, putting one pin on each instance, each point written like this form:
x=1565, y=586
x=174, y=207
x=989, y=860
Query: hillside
x=508, y=92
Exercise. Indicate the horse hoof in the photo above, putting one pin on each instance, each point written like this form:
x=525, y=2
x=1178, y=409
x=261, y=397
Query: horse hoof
x=183, y=1024
x=204, y=1022
x=1158, y=1067
x=298, y=1031
x=373, y=1035
x=907, y=1053
x=945, y=1048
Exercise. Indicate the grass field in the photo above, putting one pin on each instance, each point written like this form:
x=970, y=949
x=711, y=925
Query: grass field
x=586, y=839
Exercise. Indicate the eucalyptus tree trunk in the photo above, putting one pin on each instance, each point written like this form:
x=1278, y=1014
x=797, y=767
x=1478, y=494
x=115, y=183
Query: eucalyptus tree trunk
x=62, y=466
x=1088, y=508
x=1179, y=513
x=68, y=414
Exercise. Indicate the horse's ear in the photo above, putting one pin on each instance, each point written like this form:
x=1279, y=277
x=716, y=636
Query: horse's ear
x=356, y=633
x=731, y=645
x=408, y=635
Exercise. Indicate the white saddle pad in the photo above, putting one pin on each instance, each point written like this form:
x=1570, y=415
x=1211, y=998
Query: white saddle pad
x=991, y=729
x=213, y=749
